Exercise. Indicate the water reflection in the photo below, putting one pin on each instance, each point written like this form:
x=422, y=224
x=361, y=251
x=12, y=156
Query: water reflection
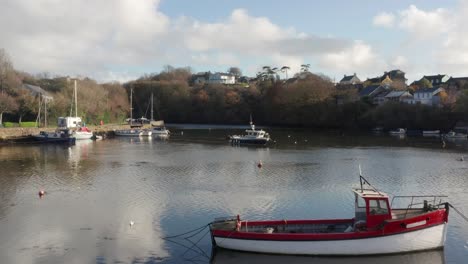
x=231, y=257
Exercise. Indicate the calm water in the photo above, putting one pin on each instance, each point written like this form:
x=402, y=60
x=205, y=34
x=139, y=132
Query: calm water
x=94, y=190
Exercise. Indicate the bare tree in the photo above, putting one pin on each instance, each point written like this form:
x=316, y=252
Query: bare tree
x=7, y=105
x=6, y=68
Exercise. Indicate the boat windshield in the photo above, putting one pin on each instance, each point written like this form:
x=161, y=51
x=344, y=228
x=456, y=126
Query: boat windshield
x=378, y=207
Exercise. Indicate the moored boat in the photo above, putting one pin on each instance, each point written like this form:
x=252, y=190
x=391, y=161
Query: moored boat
x=455, y=135
x=252, y=137
x=133, y=132
x=377, y=228
x=398, y=131
x=59, y=136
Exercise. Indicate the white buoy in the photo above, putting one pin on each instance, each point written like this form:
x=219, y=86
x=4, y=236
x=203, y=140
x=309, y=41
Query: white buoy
x=132, y=223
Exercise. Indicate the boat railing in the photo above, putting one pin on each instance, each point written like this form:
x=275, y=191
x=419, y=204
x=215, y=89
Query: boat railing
x=436, y=201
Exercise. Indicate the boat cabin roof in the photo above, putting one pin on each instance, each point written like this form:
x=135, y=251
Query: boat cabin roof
x=370, y=193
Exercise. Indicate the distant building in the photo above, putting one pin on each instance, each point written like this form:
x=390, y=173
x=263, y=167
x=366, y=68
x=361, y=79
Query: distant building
x=428, y=96
x=395, y=79
x=222, y=78
x=38, y=91
x=218, y=77
x=436, y=80
x=350, y=80
x=376, y=93
x=399, y=96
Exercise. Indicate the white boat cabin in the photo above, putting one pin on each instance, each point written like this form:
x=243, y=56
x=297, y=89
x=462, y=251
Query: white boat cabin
x=372, y=208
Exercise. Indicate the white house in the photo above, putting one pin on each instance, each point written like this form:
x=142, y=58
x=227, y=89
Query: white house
x=428, y=96
x=399, y=96
x=222, y=78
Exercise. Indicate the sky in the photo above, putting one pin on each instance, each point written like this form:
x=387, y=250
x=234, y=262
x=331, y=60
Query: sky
x=121, y=40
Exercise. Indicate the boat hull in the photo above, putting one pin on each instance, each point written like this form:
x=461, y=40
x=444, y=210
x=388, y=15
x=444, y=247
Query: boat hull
x=249, y=141
x=83, y=135
x=133, y=133
x=418, y=240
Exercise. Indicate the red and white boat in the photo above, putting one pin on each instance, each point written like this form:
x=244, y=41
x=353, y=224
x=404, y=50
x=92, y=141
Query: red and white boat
x=376, y=228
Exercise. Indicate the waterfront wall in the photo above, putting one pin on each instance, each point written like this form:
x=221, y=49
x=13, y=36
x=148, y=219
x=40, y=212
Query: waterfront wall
x=21, y=132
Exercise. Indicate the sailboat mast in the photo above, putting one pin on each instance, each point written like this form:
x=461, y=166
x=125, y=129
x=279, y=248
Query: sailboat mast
x=76, y=102
x=131, y=106
x=152, y=106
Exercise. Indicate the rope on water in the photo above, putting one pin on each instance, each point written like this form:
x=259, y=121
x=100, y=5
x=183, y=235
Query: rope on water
x=199, y=229
x=460, y=213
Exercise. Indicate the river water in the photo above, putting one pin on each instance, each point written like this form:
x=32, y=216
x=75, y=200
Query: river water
x=94, y=190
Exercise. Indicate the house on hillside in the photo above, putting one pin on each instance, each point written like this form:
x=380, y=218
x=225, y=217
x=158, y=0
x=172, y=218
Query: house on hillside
x=38, y=91
x=222, y=78
x=454, y=87
x=350, y=80
x=436, y=80
x=399, y=96
x=376, y=93
x=395, y=79
x=428, y=96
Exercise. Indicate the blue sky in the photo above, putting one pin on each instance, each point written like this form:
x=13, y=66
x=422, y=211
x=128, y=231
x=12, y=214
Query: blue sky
x=123, y=39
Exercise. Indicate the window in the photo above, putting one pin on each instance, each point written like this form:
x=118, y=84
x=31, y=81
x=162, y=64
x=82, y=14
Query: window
x=360, y=202
x=378, y=207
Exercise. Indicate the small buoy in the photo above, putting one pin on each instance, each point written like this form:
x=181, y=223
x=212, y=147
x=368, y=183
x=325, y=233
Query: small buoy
x=132, y=223
x=289, y=136
x=260, y=164
x=41, y=193
x=181, y=133
x=295, y=142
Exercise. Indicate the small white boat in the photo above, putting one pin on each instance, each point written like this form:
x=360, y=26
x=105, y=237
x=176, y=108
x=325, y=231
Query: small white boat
x=160, y=132
x=82, y=133
x=252, y=137
x=376, y=228
x=399, y=131
x=455, y=135
x=133, y=133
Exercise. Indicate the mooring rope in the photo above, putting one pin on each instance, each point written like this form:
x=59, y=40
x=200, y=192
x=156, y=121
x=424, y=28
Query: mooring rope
x=460, y=213
x=199, y=229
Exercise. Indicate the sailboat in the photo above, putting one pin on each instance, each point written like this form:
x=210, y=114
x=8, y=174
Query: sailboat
x=81, y=132
x=133, y=131
x=158, y=127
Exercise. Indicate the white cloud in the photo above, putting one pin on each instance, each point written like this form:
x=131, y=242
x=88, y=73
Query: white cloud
x=118, y=39
x=358, y=58
x=384, y=20
x=425, y=24
x=399, y=62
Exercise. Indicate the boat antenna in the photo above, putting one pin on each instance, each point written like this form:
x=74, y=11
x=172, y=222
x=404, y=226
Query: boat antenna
x=363, y=181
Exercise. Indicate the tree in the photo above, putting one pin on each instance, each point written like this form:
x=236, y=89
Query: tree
x=285, y=70
x=6, y=72
x=235, y=71
x=305, y=67
x=26, y=103
x=424, y=83
x=7, y=105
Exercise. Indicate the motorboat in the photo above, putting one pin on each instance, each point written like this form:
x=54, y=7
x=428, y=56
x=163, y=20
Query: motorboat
x=398, y=131
x=253, y=136
x=82, y=133
x=133, y=132
x=58, y=136
x=455, y=135
x=159, y=129
x=378, y=227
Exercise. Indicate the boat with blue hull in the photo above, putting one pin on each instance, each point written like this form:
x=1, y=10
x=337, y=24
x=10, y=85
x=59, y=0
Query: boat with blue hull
x=61, y=136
